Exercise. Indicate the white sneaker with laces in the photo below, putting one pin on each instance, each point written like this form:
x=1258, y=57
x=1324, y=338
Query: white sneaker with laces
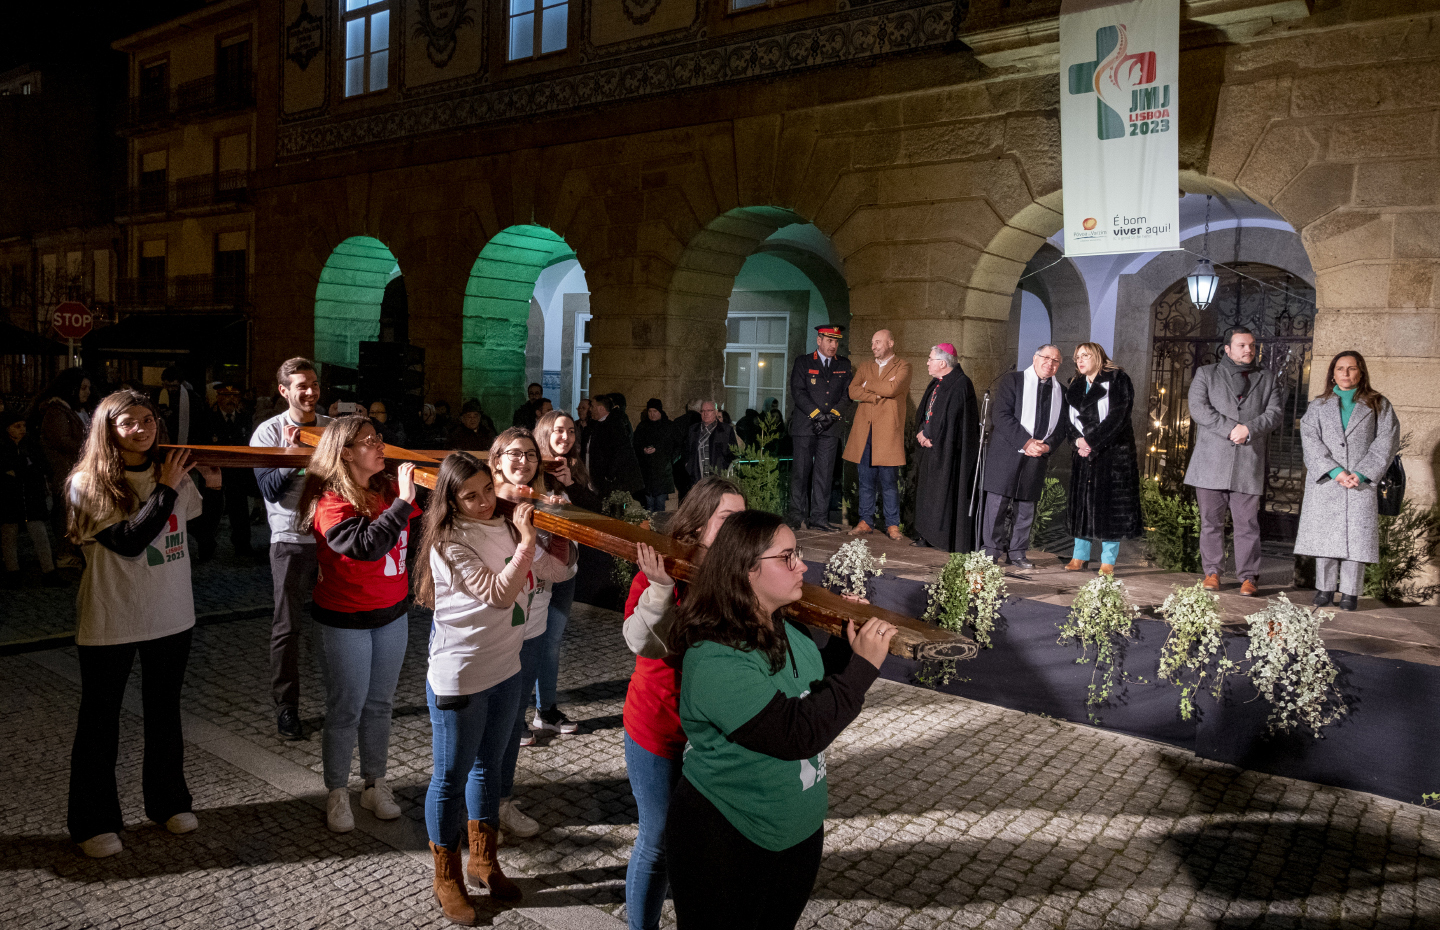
x=102, y=845
x=338, y=816
x=182, y=823
x=514, y=822
x=380, y=799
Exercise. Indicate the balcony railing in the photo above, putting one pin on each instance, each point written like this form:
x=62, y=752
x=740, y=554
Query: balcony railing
x=204, y=190
x=184, y=292
x=216, y=93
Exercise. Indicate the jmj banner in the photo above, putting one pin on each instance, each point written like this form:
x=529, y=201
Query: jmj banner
x=1119, y=70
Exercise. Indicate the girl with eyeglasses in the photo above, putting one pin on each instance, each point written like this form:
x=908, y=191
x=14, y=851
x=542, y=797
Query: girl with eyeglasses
x=515, y=465
x=361, y=521
x=129, y=512
x=759, y=704
x=654, y=739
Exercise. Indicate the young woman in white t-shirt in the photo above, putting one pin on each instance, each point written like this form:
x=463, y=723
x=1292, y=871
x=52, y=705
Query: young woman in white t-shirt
x=477, y=571
x=128, y=511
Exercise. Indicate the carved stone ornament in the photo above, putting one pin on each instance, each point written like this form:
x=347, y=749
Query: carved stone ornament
x=304, y=37
x=639, y=11
x=437, y=21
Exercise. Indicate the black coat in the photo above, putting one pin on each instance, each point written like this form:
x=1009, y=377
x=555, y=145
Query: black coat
x=1008, y=471
x=721, y=452
x=821, y=390
x=945, y=473
x=610, y=458
x=655, y=467
x=22, y=482
x=1104, y=486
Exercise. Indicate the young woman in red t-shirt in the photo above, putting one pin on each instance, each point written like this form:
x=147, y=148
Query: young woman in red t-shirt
x=654, y=740
x=361, y=521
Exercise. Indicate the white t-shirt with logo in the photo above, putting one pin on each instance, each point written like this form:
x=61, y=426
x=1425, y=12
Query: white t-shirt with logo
x=129, y=600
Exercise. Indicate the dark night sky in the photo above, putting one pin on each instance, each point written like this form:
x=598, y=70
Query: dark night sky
x=74, y=33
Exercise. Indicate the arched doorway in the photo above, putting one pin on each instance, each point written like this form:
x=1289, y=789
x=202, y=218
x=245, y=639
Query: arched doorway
x=1279, y=308
x=360, y=285
x=525, y=292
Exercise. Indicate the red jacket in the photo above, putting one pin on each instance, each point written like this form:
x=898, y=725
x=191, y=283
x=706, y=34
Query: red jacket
x=652, y=705
x=361, y=560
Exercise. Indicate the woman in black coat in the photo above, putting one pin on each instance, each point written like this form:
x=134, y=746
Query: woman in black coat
x=655, y=448
x=1104, y=475
x=22, y=500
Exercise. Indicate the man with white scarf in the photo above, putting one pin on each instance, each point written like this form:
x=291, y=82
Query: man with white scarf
x=1029, y=422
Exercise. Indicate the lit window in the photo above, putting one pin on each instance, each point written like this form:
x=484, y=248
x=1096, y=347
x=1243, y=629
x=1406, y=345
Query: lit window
x=538, y=27
x=367, y=45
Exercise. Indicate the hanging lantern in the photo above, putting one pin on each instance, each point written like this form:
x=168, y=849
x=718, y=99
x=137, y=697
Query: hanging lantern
x=1202, y=283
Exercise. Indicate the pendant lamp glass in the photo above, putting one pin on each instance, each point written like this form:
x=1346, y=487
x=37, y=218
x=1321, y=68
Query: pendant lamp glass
x=1202, y=283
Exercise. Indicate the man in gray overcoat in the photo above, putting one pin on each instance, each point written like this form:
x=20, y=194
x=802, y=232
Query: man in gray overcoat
x=1235, y=405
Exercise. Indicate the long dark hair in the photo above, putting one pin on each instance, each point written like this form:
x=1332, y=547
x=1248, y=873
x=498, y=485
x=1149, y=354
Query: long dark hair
x=699, y=506
x=96, y=486
x=544, y=427
x=1364, y=393
x=539, y=483
x=440, y=512
x=721, y=604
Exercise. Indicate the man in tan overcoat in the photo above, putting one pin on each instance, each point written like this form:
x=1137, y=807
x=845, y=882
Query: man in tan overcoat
x=877, y=438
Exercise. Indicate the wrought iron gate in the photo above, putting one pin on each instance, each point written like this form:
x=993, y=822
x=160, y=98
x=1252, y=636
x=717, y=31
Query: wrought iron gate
x=1280, y=309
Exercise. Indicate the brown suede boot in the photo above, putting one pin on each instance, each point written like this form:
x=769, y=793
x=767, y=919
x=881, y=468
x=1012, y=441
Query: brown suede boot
x=450, y=887
x=484, y=865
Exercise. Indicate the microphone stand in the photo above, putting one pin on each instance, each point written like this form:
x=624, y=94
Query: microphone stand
x=976, y=511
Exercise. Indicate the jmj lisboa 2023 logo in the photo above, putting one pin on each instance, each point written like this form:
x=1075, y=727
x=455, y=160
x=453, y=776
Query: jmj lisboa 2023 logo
x=1124, y=86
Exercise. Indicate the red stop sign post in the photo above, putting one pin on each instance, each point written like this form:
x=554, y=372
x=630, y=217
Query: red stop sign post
x=72, y=321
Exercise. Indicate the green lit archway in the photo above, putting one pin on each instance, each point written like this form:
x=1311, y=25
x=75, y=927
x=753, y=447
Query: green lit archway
x=349, y=297
x=497, y=313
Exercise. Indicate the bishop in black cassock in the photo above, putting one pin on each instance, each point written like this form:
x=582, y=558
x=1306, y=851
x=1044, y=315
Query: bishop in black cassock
x=949, y=440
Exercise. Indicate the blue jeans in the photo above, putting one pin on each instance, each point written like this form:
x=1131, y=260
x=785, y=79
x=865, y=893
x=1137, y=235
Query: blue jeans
x=468, y=744
x=652, y=780
x=889, y=488
x=529, y=662
x=1109, y=551
x=361, y=669
x=655, y=503
x=562, y=595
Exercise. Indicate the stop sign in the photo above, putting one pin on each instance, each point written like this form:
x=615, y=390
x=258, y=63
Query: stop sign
x=72, y=320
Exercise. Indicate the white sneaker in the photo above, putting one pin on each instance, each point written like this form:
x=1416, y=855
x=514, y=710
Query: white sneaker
x=516, y=823
x=338, y=816
x=380, y=799
x=102, y=845
x=182, y=823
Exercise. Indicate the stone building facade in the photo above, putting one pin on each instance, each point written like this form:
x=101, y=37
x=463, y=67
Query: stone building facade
x=669, y=138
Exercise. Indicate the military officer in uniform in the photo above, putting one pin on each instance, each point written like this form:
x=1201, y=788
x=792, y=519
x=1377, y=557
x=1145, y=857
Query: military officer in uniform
x=819, y=385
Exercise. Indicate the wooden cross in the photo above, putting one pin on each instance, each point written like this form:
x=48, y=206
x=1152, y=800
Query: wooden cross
x=817, y=606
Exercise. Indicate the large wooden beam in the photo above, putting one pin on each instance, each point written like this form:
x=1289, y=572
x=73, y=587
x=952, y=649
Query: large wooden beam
x=817, y=606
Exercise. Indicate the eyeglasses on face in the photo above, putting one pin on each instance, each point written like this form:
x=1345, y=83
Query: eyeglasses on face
x=128, y=425
x=794, y=558
x=518, y=455
x=374, y=442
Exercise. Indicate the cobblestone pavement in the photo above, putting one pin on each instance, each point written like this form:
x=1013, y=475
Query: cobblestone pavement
x=944, y=812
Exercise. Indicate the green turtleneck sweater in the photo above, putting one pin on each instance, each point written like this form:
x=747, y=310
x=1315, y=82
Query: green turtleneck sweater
x=1347, y=407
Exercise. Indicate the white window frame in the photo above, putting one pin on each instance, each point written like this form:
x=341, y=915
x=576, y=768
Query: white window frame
x=539, y=12
x=755, y=348
x=364, y=14
x=581, y=352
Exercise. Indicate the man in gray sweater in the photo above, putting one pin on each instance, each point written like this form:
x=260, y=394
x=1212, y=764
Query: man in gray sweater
x=292, y=550
x=1235, y=405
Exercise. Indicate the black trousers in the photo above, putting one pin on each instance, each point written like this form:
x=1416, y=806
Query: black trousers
x=104, y=670
x=293, y=567
x=721, y=880
x=812, y=474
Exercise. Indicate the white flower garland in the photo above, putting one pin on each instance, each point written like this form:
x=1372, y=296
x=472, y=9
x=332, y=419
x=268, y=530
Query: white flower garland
x=1193, y=643
x=849, y=568
x=969, y=580
x=1290, y=667
x=1103, y=617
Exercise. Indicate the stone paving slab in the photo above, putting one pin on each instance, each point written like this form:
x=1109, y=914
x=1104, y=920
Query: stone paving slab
x=944, y=812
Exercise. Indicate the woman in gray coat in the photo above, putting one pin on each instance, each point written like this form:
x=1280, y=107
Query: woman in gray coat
x=1350, y=434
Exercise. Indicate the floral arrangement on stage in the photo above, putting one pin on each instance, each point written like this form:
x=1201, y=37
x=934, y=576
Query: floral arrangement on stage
x=1290, y=667
x=1194, y=644
x=971, y=588
x=851, y=567
x=1101, y=617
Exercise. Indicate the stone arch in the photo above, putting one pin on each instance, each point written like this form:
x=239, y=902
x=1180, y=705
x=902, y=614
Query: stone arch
x=698, y=298
x=496, y=312
x=353, y=286
x=1055, y=280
